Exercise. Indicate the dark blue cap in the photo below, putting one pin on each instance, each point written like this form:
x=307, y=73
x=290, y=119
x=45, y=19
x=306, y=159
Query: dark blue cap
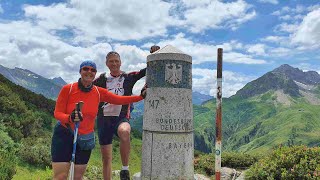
x=88, y=63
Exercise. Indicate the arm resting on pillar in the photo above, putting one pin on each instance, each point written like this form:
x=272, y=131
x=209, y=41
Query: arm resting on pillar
x=109, y=97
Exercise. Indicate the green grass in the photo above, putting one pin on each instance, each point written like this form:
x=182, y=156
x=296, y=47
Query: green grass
x=26, y=171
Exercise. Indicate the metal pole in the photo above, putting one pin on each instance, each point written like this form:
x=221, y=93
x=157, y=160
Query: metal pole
x=219, y=116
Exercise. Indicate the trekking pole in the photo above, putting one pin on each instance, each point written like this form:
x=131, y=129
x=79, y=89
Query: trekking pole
x=75, y=137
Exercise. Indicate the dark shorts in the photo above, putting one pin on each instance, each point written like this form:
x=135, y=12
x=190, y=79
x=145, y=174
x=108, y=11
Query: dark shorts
x=107, y=127
x=62, y=144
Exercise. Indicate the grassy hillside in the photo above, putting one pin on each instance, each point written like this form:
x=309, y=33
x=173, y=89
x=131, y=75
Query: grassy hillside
x=25, y=127
x=259, y=123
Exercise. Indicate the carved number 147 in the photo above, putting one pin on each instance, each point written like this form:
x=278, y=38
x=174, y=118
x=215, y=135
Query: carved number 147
x=153, y=104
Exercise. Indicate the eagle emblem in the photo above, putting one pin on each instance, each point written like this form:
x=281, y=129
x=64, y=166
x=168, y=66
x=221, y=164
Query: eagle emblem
x=173, y=73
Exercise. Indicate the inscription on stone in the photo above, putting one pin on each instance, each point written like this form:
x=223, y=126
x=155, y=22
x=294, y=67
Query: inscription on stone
x=168, y=110
x=154, y=103
x=179, y=145
x=174, y=124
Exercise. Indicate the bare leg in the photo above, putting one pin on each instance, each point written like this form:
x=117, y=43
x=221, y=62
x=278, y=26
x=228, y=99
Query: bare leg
x=124, y=130
x=79, y=170
x=61, y=170
x=106, y=153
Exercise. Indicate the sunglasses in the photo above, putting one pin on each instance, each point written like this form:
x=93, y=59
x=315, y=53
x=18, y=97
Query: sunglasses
x=91, y=69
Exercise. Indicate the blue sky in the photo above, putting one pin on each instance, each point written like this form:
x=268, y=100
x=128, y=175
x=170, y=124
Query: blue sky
x=51, y=38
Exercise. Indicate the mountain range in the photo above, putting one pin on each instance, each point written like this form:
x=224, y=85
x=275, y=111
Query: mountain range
x=49, y=88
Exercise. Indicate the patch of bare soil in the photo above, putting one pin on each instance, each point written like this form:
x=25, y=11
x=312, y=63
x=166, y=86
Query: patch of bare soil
x=283, y=98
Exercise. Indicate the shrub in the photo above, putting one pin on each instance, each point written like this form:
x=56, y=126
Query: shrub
x=206, y=163
x=8, y=164
x=238, y=160
x=36, y=151
x=6, y=143
x=297, y=162
x=198, y=153
x=15, y=134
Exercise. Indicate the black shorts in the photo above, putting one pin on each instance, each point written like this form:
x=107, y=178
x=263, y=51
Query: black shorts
x=62, y=145
x=107, y=127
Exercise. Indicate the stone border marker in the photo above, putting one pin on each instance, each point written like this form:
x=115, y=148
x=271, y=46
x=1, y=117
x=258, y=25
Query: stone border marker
x=167, y=149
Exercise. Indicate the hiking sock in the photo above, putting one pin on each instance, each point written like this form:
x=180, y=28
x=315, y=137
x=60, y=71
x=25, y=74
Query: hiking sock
x=125, y=168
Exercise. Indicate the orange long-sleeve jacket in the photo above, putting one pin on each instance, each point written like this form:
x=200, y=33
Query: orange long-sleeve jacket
x=67, y=100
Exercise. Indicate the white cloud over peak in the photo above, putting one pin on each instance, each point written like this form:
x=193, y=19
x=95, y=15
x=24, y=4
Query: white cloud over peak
x=301, y=25
x=205, y=82
x=308, y=31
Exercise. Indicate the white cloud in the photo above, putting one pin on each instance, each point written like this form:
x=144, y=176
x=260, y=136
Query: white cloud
x=208, y=52
x=314, y=7
x=280, y=51
x=269, y=1
x=239, y=58
x=257, y=49
x=121, y=20
x=132, y=57
x=89, y=20
x=232, y=45
x=274, y=39
x=26, y=46
x=206, y=83
x=31, y=47
x=285, y=17
x=308, y=31
x=192, y=3
x=285, y=27
x=288, y=10
x=216, y=14
x=301, y=26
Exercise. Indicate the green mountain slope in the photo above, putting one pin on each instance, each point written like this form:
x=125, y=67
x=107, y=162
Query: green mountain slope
x=281, y=107
x=260, y=124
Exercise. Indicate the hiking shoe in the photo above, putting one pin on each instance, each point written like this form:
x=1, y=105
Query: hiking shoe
x=124, y=175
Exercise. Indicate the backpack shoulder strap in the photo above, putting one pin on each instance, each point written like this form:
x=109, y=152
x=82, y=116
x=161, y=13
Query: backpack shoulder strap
x=70, y=88
x=97, y=91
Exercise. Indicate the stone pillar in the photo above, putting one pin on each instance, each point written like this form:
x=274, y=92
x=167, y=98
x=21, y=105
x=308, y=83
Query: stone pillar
x=167, y=149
